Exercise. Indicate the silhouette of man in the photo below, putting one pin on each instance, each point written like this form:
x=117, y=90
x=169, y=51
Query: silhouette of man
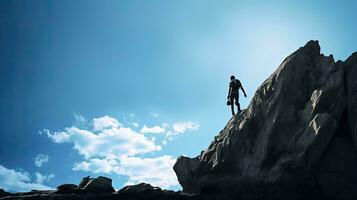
x=233, y=93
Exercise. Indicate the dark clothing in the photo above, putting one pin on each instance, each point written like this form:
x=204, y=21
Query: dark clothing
x=233, y=94
x=234, y=86
x=234, y=99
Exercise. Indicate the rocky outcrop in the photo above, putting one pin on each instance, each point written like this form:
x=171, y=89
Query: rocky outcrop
x=67, y=188
x=3, y=193
x=100, y=189
x=98, y=185
x=88, y=185
x=84, y=182
x=296, y=138
x=146, y=191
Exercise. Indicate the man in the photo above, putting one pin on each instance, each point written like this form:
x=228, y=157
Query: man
x=233, y=93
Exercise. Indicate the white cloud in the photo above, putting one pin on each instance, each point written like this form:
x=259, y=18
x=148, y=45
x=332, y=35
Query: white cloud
x=157, y=171
x=43, y=178
x=18, y=181
x=113, y=141
x=109, y=147
x=105, y=122
x=154, y=114
x=80, y=120
x=181, y=127
x=154, y=129
x=96, y=165
x=57, y=137
x=41, y=159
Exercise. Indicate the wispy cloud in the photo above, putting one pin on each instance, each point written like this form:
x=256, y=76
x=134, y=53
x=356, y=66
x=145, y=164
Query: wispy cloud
x=79, y=118
x=40, y=179
x=18, y=181
x=182, y=127
x=154, y=129
x=154, y=114
x=41, y=159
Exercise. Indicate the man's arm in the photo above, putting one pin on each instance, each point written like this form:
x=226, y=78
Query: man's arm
x=241, y=87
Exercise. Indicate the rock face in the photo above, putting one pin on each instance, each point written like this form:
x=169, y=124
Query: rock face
x=296, y=139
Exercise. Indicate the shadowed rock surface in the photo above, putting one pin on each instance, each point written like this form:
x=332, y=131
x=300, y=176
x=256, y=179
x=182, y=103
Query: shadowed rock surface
x=296, y=139
x=99, y=189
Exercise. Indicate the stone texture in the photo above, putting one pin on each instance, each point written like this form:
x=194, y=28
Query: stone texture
x=84, y=182
x=350, y=67
x=99, y=185
x=147, y=191
x=141, y=187
x=284, y=144
x=67, y=188
x=134, y=192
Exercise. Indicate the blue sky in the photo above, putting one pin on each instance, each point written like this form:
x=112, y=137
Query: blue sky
x=121, y=88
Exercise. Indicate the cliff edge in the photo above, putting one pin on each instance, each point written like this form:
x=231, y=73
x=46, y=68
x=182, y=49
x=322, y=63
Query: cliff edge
x=297, y=138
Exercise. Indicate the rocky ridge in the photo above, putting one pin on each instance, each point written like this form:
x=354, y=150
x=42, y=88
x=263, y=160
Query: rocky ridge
x=296, y=139
x=99, y=188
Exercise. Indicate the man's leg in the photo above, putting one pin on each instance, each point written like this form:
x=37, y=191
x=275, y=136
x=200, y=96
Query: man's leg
x=236, y=97
x=232, y=104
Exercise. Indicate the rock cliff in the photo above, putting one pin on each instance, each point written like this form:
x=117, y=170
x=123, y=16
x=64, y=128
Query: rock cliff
x=297, y=138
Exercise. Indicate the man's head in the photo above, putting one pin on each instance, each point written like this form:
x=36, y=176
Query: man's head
x=232, y=77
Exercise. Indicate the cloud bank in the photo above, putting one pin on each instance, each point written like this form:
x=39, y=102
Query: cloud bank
x=19, y=181
x=109, y=147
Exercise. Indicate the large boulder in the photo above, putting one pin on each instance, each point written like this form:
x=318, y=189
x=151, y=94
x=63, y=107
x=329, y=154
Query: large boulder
x=99, y=185
x=67, y=188
x=288, y=142
x=139, y=188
